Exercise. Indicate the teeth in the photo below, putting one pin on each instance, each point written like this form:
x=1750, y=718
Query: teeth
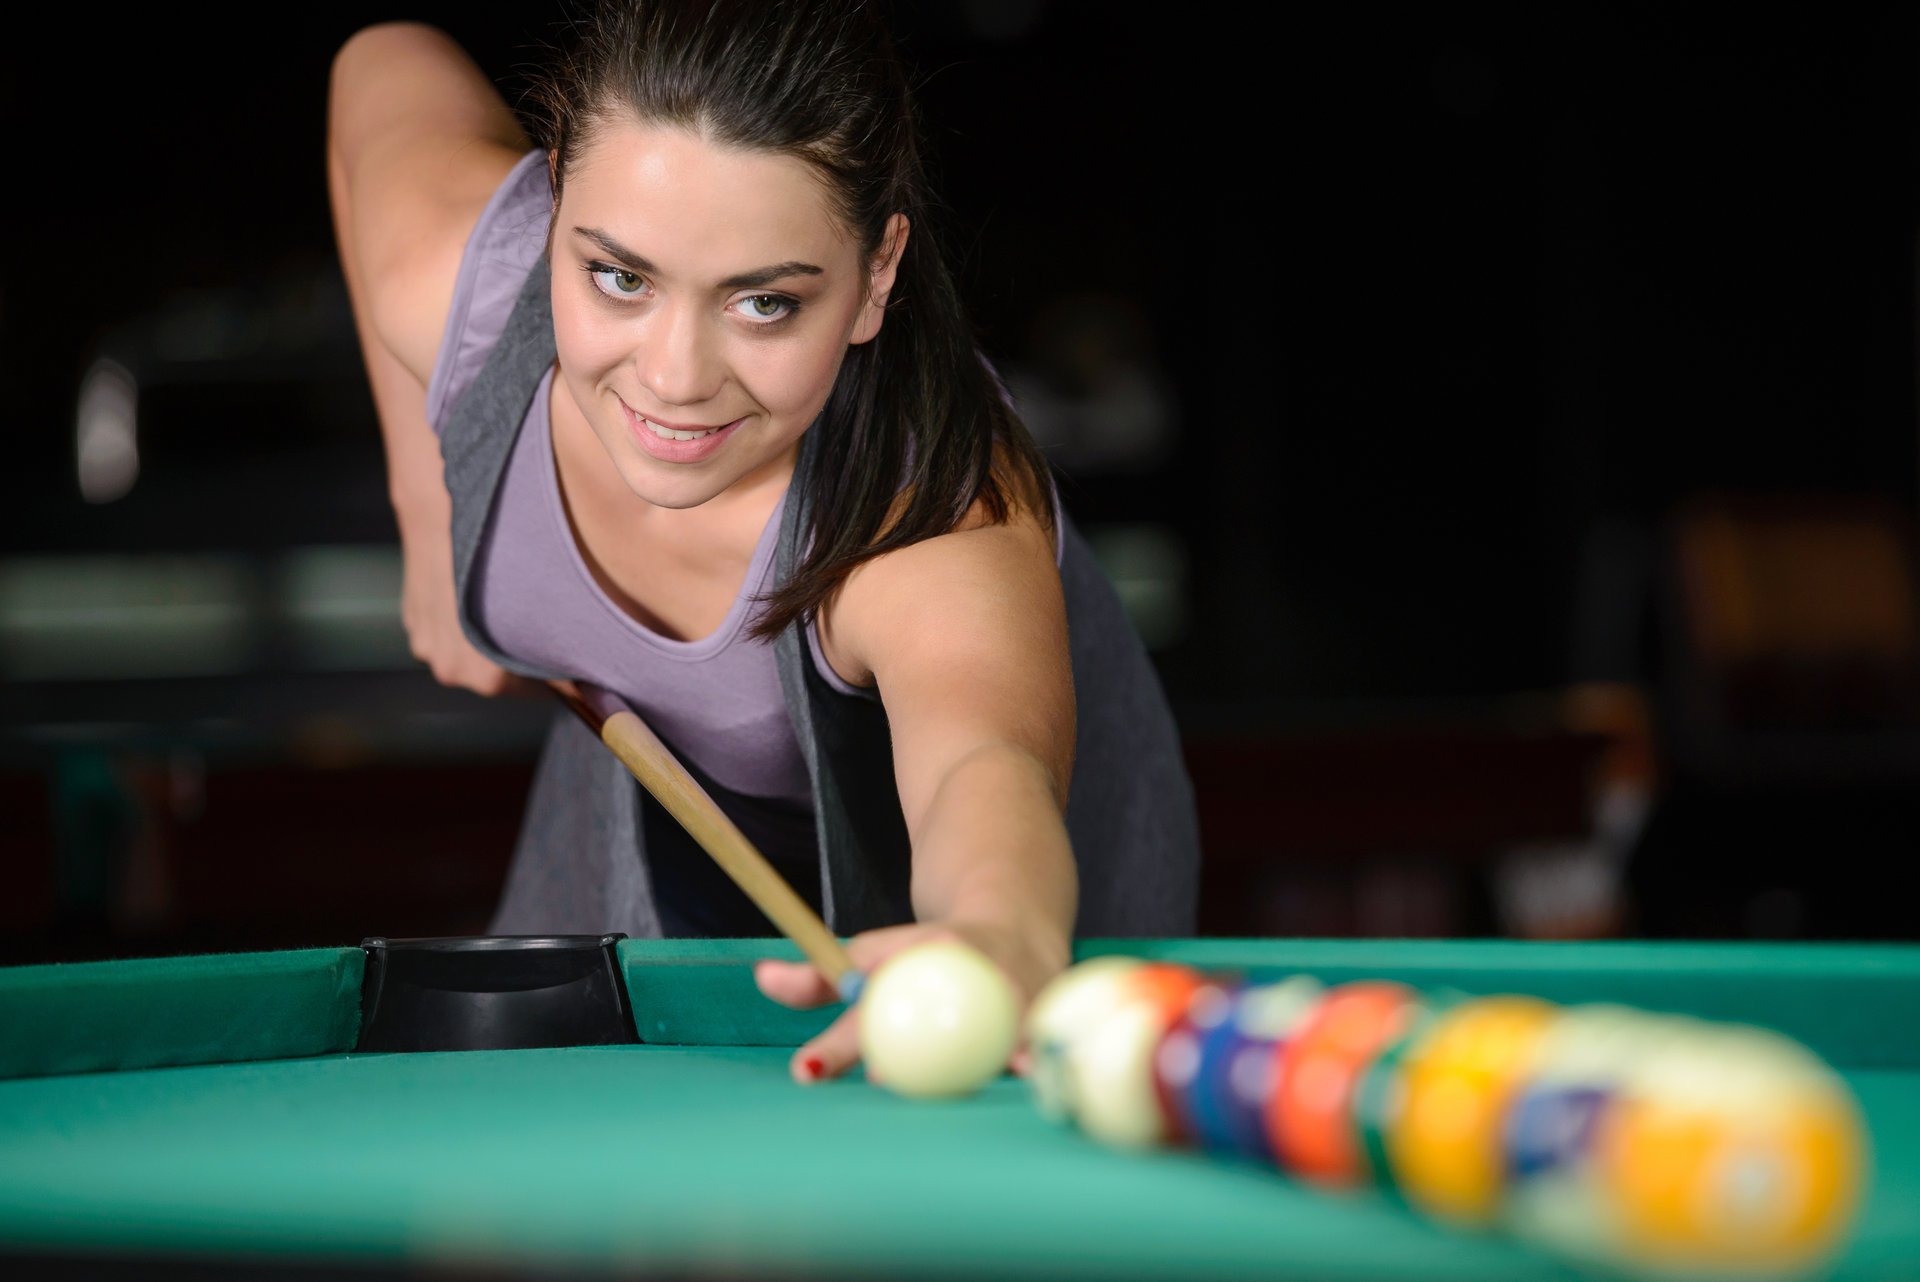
x=672, y=435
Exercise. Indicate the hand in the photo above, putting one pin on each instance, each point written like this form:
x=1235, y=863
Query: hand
x=1029, y=961
x=427, y=608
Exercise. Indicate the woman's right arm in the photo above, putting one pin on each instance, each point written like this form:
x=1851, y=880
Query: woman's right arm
x=418, y=139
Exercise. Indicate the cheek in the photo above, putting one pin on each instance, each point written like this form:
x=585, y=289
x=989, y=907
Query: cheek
x=790, y=378
x=587, y=347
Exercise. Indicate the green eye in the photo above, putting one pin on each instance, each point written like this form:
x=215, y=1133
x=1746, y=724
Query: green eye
x=769, y=307
x=617, y=281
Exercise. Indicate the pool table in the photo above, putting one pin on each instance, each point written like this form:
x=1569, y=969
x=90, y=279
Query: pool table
x=206, y=1116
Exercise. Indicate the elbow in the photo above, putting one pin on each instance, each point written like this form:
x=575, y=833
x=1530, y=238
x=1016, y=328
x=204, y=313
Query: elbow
x=366, y=60
x=380, y=42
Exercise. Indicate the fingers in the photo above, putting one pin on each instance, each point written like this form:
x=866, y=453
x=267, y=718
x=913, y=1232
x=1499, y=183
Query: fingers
x=435, y=638
x=800, y=985
x=459, y=665
x=519, y=687
x=795, y=984
x=498, y=682
x=483, y=678
x=831, y=1053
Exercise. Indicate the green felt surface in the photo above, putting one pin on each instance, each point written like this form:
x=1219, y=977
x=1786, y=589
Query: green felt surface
x=697, y=1153
x=89, y=1016
x=710, y=1159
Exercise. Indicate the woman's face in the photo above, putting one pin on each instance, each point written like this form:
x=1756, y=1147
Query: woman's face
x=703, y=299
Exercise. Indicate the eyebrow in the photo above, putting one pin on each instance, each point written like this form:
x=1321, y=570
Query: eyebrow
x=745, y=280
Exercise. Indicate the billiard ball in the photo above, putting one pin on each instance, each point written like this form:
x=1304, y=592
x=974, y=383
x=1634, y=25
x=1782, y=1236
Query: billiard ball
x=1456, y=1083
x=937, y=1019
x=1110, y=1067
x=1238, y=1061
x=1075, y=1000
x=1310, y=1118
x=1176, y=1060
x=1557, y=1124
x=1732, y=1147
x=1380, y=1092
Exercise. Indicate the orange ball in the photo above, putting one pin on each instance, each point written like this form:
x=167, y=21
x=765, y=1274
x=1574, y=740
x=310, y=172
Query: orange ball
x=1310, y=1117
x=1734, y=1148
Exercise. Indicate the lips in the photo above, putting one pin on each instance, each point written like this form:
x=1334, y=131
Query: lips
x=676, y=442
x=677, y=432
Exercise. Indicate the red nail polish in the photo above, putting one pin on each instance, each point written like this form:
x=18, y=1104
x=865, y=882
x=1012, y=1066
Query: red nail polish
x=814, y=1067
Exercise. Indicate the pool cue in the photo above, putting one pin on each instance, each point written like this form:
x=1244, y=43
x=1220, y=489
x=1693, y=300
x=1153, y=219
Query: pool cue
x=655, y=766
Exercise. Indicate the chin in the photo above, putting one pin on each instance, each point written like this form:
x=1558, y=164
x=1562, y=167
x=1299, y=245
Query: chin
x=679, y=493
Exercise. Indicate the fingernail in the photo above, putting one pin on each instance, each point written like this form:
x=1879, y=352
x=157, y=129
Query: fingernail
x=813, y=1068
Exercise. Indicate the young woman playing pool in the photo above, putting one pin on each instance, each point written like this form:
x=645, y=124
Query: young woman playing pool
x=684, y=404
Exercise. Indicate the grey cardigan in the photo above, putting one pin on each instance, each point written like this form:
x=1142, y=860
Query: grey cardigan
x=581, y=864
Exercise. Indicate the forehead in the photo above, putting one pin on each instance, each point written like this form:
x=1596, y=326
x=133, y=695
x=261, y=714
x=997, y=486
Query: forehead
x=696, y=208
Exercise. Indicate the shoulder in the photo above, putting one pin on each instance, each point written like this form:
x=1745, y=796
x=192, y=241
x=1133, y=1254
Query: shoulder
x=419, y=141
x=983, y=593
x=964, y=636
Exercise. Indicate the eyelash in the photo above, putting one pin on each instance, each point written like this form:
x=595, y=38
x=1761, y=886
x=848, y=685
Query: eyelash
x=596, y=270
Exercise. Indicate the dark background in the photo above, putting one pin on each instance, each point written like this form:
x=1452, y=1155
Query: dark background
x=1465, y=326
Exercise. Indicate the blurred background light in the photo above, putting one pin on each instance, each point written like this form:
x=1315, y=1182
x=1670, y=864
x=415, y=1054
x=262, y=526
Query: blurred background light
x=116, y=617
x=106, y=446
x=341, y=607
x=1148, y=566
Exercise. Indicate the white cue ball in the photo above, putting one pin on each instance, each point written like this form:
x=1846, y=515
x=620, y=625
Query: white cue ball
x=938, y=1019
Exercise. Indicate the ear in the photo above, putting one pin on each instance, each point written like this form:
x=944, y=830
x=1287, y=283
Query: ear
x=880, y=277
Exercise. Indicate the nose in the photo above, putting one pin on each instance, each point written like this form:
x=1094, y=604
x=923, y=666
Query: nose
x=679, y=361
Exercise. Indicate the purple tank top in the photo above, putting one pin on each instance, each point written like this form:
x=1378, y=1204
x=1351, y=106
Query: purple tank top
x=717, y=699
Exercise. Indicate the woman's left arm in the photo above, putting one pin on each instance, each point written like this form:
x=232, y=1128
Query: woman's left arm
x=965, y=636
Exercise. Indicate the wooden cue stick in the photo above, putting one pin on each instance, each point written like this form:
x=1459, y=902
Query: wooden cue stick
x=655, y=766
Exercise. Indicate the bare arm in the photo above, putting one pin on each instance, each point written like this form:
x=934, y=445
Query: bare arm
x=965, y=636
x=417, y=141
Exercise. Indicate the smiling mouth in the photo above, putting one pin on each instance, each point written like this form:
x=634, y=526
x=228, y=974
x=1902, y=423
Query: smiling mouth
x=664, y=432
x=681, y=435
x=675, y=431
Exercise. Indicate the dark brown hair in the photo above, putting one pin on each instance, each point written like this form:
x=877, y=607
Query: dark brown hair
x=916, y=427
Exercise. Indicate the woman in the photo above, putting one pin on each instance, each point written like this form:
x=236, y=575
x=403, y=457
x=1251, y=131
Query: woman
x=684, y=404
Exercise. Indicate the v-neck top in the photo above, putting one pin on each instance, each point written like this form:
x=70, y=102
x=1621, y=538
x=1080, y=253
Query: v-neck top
x=715, y=698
